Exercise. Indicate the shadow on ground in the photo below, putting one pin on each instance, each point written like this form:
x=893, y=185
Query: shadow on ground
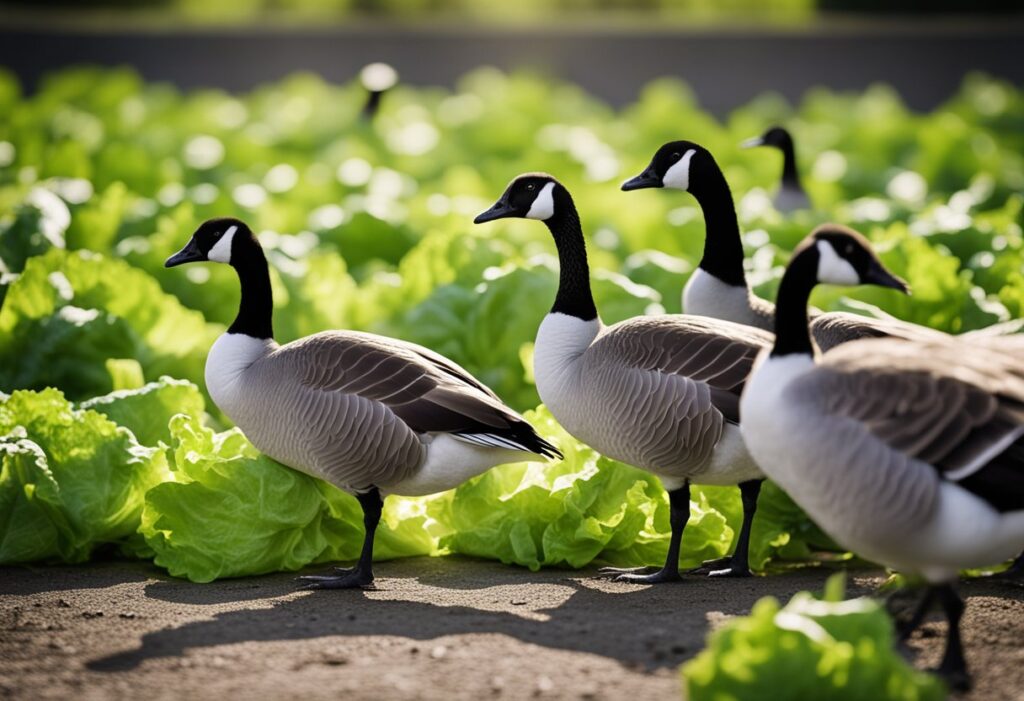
x=424, y=599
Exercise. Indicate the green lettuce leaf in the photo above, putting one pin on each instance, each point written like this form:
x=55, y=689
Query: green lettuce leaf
x=230, y=511
x=77, y=470
x=147, y=411
x=812, y=648
x=69, y=312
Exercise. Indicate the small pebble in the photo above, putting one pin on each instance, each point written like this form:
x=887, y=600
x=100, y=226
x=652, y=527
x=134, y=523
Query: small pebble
x=518, y=602
x=438, y=652
x=127, y=614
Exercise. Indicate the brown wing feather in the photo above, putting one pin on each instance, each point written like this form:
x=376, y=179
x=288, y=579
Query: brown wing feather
x=715, y=353
x=425, y=390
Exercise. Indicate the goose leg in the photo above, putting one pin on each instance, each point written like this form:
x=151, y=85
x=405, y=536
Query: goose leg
x=679, y=514
x=953, y=667
x=737, y=565
x=361, y=575
x=904, y=629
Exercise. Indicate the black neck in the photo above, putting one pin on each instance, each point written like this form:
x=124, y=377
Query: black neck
x=789, y=175
x=723, y=248
x=256, y=309
x=574, y=296
x=792, y=334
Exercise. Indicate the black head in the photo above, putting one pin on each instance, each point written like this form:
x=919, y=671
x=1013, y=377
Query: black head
x=677, y=164
x=215, y=240
x=844, y=257
x=775, y=136
x=528, y=196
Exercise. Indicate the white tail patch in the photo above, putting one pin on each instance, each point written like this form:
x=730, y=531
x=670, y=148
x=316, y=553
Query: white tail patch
x=221, y=251
x=544, y=205
x=832, y=269
x=678, y=176
x=490, y=440
x=987, y=455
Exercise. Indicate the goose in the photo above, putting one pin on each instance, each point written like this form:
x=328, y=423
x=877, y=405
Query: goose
x=790, y=195
x=369, y=414
x=657, y=392
x=718, y=287
x=376, y=78
x=909, y=453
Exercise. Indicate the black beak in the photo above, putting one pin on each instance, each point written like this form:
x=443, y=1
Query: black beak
x=878, y=275
x=643, y=181
x=751, y=143
x=500, y=210
x=189, y=254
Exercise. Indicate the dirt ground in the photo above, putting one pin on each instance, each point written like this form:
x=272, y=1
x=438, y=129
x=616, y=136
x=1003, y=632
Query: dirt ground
x=443, y=628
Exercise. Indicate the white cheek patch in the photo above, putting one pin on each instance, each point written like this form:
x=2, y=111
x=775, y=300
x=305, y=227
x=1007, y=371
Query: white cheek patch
x=544, y=206
x=678, y=176
x=832, y=269
x=221, y=251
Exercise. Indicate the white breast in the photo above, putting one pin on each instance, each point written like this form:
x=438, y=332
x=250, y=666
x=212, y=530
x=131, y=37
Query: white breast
x=706, y=295
x=766, y=417
x=228, y=359
x=561, y=341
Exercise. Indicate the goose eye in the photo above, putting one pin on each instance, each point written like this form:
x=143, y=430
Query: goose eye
x=531, y=187
x=848, y=249
x=676, y=156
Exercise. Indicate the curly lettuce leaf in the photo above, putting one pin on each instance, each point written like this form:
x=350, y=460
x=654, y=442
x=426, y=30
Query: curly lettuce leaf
x=572, y=512
x=812, y=648
x=147, y=411
x=230, y=511
x=69, y=312
x=82, y=472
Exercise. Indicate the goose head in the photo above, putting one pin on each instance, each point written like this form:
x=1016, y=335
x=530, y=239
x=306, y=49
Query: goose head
x=777, y=137
x=529, y=196
x=838, y=255
x=678, y=165
x=217, y=240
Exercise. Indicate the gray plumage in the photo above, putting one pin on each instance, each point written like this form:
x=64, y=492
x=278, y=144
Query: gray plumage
x=655, y=392
x=359, y=410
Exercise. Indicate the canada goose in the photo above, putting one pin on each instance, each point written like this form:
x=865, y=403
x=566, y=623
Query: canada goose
x=908, y=453
x=657, y=392
x=790, y=195
x=369, y=414
x=718, y=287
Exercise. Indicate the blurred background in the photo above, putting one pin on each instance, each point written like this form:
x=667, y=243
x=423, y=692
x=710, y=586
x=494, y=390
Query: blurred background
x=727, y=50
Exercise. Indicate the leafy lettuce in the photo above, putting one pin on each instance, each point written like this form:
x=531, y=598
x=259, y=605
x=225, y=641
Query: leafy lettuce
x=71, y=480
x=229, y=511
x=811, y=648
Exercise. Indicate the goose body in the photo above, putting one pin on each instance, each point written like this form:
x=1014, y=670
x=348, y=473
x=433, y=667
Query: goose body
x=910, y=453
x=371, y=415
x=658, y=392
x=362, y=411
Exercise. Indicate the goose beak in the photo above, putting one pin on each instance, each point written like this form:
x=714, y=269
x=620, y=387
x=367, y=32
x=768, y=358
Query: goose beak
x=751, y=143
x=877, y=275
x=645, y=180
x=500, y=210
x=189, y=254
